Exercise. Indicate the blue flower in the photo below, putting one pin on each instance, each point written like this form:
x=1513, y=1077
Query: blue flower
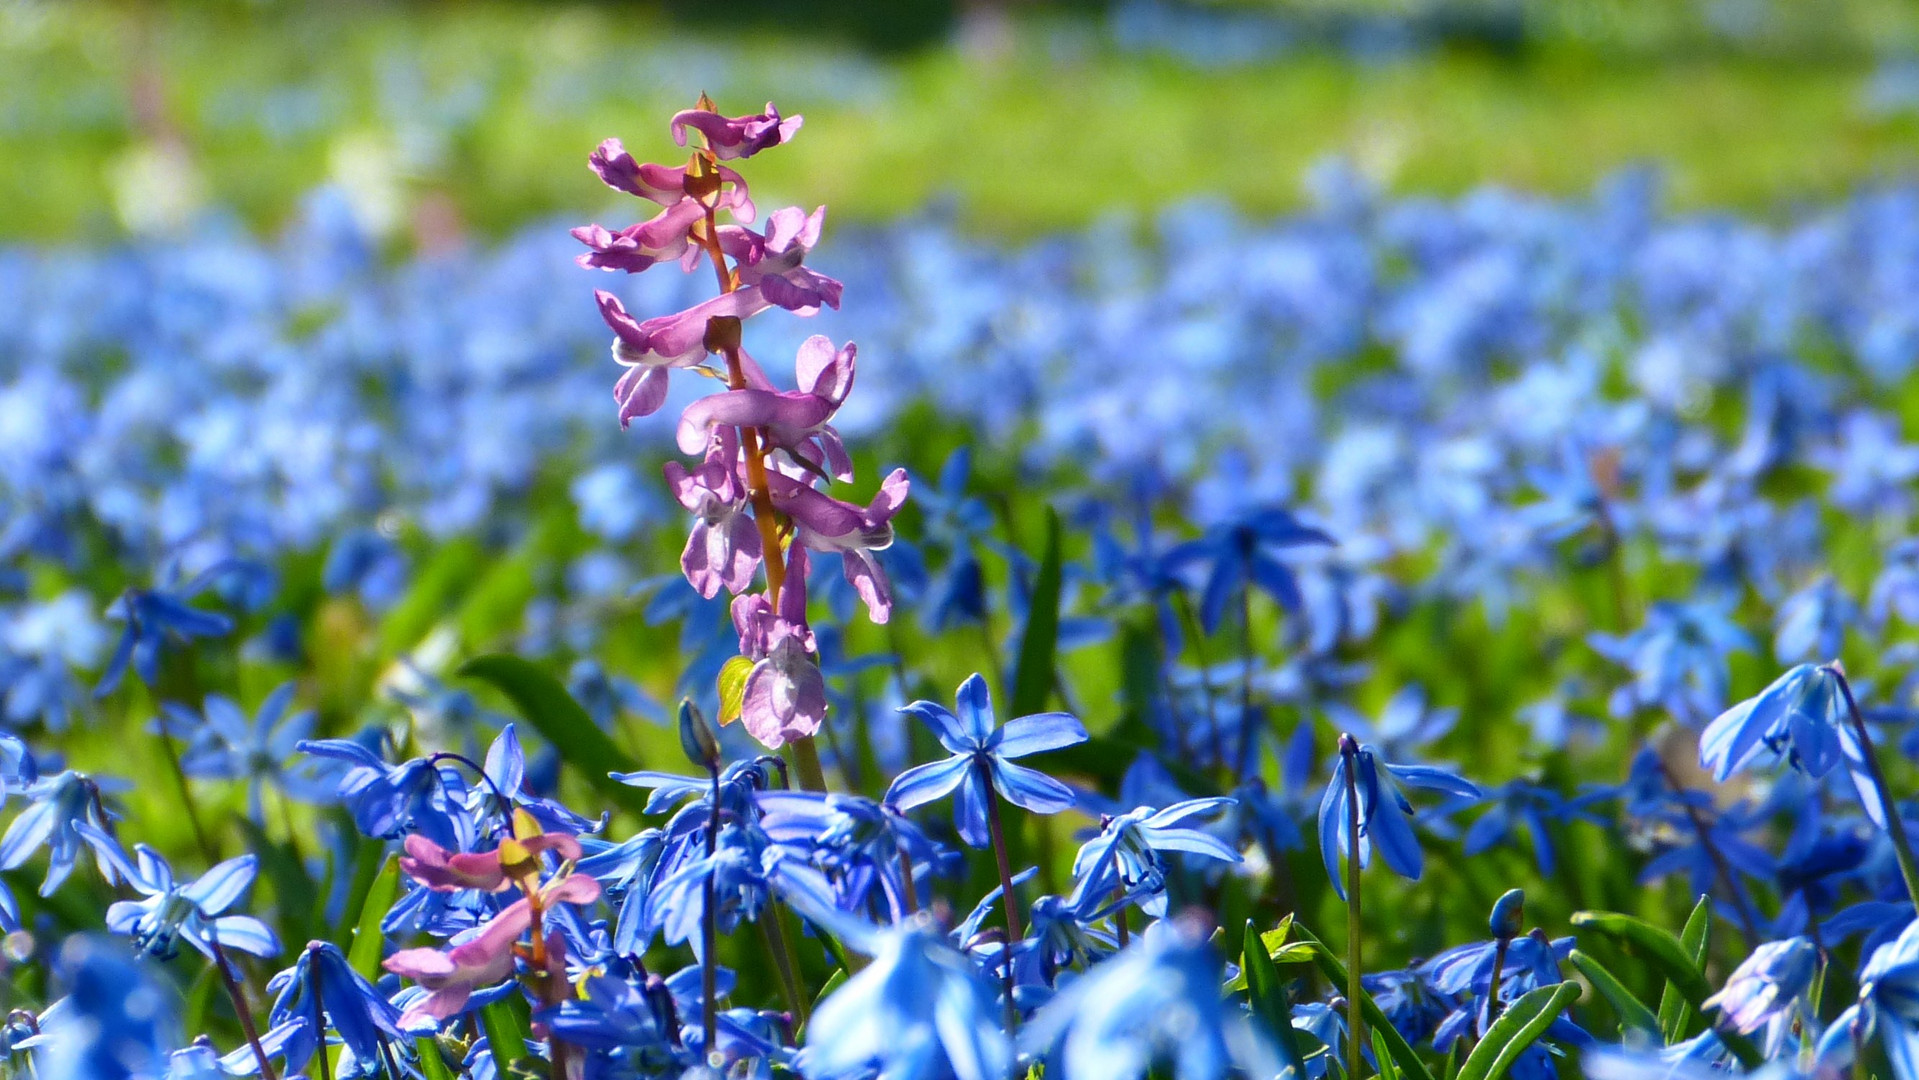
x=1128, y=855
x=982, y=757
x=173, y=911
x=61, y=805
x=1813, y=622
x=118, y=1021
x=389, y=801
x=1158, y=1000
x=225, y=745
x=1888, y=985
x=919, y=1011
x=1770, y=989
x=1385, y=817
x=1518, y=805
x=1800, y=716
x=350, y=1004
x=1678, y=659
x=1242, y=554
x=152, y=617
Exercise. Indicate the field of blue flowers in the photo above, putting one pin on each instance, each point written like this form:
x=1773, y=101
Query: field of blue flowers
x=1432, y=639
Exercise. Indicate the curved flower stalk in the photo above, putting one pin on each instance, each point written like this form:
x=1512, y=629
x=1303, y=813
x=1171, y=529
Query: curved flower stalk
x=762, y=449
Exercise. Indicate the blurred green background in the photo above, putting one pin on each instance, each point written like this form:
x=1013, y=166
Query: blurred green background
x=451, y=118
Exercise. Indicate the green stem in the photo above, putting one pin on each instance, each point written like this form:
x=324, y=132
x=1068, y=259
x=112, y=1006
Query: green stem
x=1355, y=1025
x=200, y=837
x=1014, y=933
x=1895, y=827
x=781, y=949
x=806, y=759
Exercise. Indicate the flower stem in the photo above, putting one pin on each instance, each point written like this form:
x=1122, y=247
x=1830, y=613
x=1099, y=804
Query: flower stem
x=1355, y=1024
x=1748, y=924
x=1195, y=632
x=911, y=900
x=172, y=753
x=1895, y=826
x=319, y=1016
x=781, y=950
x=1493, y=1005
x=242, y=1010
x=1014, y=933
x=806, y=760
x=1246, y=732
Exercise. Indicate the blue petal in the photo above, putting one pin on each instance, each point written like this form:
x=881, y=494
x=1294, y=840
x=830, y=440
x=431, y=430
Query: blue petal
x=945, y=726
x=219, y=887
x=1432, y=779
x=247, y=934
x=1332, y=826
x=975, y=704
x=1031, y=788
x=922, y=784
x=1032, y=734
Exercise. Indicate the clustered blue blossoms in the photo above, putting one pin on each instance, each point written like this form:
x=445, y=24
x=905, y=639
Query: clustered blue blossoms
x=793, y=903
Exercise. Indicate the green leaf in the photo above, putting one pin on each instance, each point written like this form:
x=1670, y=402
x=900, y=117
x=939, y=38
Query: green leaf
x=431, y=594
x=1383, y=1055
x=1268, y=995
x=832, y=983
x=364, y=954
x=1633, y=1013
x=733, y=688
x=544, y=702
x=432, y=1064
x=1523, y=1022
x=1410, y=1067
x=1033, y=678
x=1667, y=954
x=505, y=1032
x=1676, y=1018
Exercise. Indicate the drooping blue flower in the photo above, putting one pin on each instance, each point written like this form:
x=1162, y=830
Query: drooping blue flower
x=61, y=804
x=1677, y=659
x=1385, y=817
x=1888, y=985
x=174, y=911
x=919, y=1011
x=118, y=1020
x=505, y=769
x=1128, y=856
x=1158, y=1000
x=1521, y=805
x=982, y=760
x=153, y=617
x=350, y=1004
x=857, y=841
x=389, y=801
x=1799, y=716
x=1769, y=989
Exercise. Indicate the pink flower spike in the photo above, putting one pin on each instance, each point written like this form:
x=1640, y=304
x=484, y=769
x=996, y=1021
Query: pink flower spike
x=724, y=549
x=855, y=536
x=785, y=695
x=774, y=262
x=664, y=238
x=443, y=871
x=738, y=136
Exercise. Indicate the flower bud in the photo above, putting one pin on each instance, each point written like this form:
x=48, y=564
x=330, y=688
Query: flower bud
x=697, y=739
x=1508, y=913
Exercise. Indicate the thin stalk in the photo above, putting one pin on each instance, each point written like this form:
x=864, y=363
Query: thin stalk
x=1119, y=919
x=200, y=837
x=1355, y=1023
x=1895, y=826
x=1014, y=932
x=319, y=1018
x=243, y=1010
x=1748, y=923
x=912, y=901
x=1193, y=632
x=709, y=931
x=1493, y=1005
x=781, y=949
x=1245, y=681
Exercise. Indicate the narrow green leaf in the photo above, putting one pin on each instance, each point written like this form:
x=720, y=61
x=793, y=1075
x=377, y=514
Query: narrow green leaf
x=505, y=1032
x=1633, y=1013
x=1669, y=956
x=1676, y=1018
x=545, y=704
x=732, y=684
x=1268, y=997
x=1523, y=1022
x=1033, y=678
x=431, y=1063
x=364, y=953
x=430, y=596
x=1410, y=1067
x=1383, y=1055
x=832, y=983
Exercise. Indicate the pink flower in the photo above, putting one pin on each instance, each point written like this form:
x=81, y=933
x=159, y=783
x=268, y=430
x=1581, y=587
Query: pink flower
x=773, y=262
x=648, y=349
x=738, y=136
x=785, y=695
x=796, y=421
x=486, y=957
x=724, y=548
x=665, y=184
x=664, y=238
x=826, y=524
x=443, y=871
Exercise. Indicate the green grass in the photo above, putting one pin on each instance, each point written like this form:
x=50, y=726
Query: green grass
x=1054, y=131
